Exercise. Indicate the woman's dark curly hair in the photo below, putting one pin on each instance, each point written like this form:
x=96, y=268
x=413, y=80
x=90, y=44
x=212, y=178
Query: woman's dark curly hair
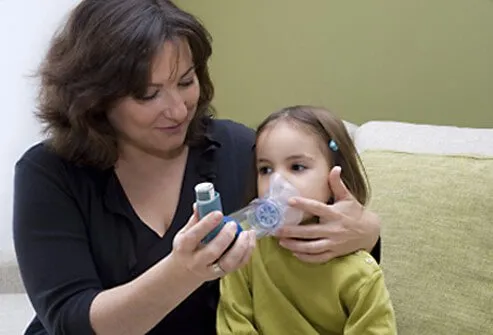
x=103, y=53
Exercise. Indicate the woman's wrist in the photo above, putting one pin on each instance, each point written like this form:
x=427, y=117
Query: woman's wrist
x=181, y=271
x=372, y=224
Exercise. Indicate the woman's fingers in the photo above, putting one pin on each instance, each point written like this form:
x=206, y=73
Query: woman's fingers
x=192, y=221
x=313, y=207
x=213, y=259
x=212, y=251
x=252, y=242
x=307, y=231
x=251, y=246
x=342, y=228
x=240, y=252
x=189, y=237
x=339, y=189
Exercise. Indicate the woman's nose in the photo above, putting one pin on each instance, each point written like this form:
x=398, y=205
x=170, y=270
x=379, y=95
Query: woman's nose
x=173, y=105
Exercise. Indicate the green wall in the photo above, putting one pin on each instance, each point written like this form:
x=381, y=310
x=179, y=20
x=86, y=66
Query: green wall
x=423, y=61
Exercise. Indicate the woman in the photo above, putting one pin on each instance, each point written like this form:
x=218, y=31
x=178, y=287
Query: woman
x=104, y=231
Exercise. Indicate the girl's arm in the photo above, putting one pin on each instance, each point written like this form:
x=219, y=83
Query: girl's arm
x=370, y=309
x=235, y=310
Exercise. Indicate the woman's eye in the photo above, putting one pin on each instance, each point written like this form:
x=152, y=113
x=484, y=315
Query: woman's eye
x=264, y=170
x=186, y=83
x=298, y=167
x=150, y=96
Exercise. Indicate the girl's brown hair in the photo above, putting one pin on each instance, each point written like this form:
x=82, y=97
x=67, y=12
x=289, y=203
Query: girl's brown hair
x=326, y=126
x=103, y=53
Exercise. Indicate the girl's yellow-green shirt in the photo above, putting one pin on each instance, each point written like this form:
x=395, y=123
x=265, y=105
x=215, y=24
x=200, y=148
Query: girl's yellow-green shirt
x=278, y=294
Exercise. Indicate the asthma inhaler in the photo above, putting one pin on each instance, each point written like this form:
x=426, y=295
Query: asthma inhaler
x=266, y=215
x=209, y=200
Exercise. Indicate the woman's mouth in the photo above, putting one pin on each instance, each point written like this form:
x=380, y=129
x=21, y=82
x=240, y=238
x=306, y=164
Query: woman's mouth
x=172, y=129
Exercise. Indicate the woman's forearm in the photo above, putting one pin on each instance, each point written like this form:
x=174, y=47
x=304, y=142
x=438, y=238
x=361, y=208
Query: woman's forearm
x=136, y=307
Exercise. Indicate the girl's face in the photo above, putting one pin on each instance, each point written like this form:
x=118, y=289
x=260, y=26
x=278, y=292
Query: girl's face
x=296, y=154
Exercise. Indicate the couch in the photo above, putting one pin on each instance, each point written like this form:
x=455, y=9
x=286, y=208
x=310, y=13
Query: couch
x=433, y=188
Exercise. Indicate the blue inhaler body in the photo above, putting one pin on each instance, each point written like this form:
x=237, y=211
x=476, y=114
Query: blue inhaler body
x=209, y=200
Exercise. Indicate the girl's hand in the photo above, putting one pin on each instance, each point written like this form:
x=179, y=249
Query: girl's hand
x=344, y=227
x=208, y=261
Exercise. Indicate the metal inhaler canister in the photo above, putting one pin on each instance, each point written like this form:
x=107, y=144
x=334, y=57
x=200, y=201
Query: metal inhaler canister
x=209, y=200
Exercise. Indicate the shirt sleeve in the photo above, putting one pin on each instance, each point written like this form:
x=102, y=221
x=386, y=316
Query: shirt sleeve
x=52, y=249
x=377, y=250
x=371, y=311
x=235, y=309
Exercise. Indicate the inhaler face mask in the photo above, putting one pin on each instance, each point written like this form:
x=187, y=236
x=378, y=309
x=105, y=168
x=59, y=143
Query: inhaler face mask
x=267, y=214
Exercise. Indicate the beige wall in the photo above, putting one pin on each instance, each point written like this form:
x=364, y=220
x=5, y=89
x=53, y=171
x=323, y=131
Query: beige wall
x=424, y=61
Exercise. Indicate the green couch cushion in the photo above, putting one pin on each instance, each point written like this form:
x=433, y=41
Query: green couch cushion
x=437, y=233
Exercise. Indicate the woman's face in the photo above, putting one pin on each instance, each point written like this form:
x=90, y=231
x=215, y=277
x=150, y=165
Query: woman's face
x=158, y=123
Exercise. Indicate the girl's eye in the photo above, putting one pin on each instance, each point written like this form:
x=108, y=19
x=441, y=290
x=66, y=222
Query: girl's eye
x=264, y=170
x=298, y=167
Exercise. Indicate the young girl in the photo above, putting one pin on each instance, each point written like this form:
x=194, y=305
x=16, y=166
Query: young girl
x=278, y=294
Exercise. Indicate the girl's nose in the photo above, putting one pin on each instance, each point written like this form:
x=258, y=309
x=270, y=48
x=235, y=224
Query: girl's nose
x=279, y=184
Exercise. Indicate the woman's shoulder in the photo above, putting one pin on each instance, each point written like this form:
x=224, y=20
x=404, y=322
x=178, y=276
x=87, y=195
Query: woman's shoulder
x=231, y=132
x=42, y=160
x=41, y=156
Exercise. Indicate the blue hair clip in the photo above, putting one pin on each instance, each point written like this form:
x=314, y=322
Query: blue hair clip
x=333, y=146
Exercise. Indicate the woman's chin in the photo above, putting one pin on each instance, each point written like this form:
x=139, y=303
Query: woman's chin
x=166, y=150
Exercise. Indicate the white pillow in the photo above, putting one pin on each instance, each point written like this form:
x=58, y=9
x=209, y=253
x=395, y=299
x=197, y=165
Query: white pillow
x=422, y=138
x=350, y=127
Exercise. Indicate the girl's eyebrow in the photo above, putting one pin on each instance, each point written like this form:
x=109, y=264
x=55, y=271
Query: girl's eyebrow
x=289, y=158
x=299, y=156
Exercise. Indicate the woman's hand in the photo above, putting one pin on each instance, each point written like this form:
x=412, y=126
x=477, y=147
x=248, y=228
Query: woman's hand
x=344, y=227
x=137, y=306
x=209, y=261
